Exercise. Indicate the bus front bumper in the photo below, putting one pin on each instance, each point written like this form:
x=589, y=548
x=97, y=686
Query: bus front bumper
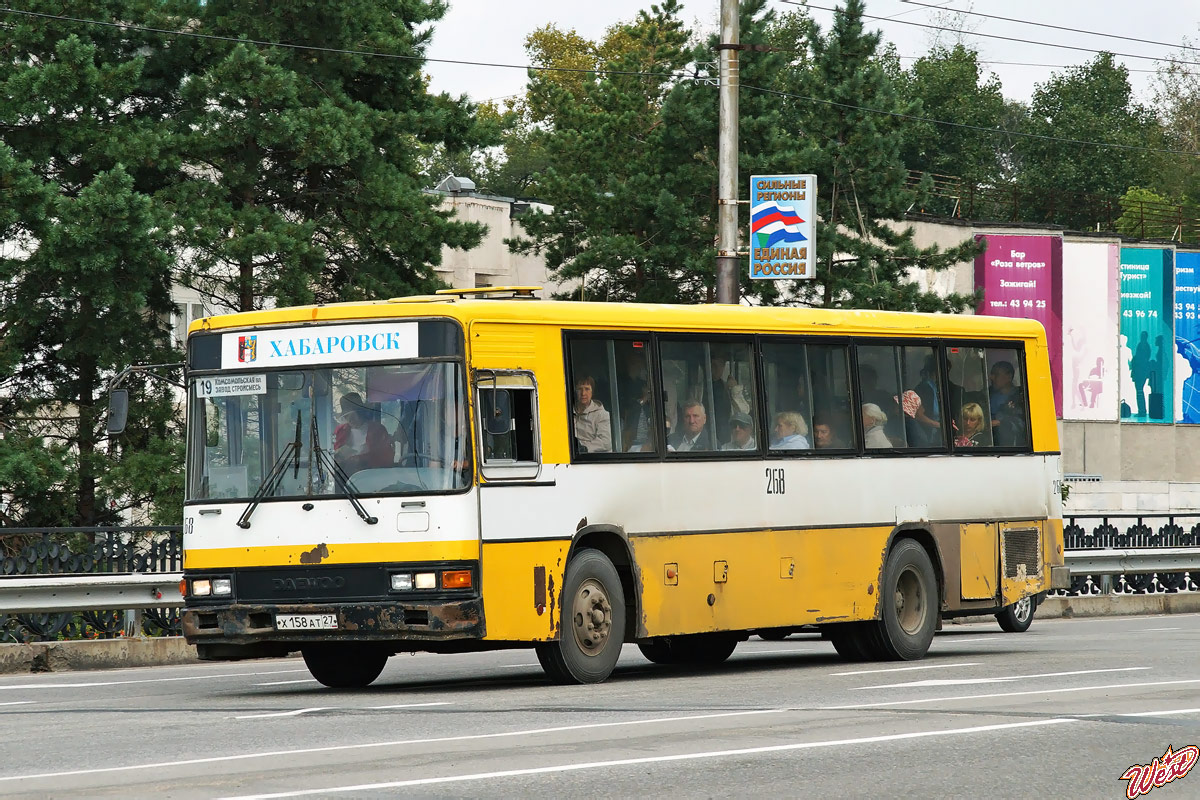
x=241, y=623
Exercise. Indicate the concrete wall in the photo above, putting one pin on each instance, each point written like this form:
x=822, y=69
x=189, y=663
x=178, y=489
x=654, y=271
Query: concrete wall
x=491, y=263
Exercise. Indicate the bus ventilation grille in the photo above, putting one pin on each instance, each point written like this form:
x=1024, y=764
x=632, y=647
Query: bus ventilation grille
x=1021, y=546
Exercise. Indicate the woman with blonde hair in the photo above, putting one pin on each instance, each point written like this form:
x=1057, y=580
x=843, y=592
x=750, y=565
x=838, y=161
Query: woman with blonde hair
x=974, y=427
x=790, y=432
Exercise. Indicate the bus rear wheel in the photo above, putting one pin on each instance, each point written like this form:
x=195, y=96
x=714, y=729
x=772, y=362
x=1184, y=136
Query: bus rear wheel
x=701, y=649
x=345, y=666
x=593, y=622
x=909, y=596
x=1019, y=616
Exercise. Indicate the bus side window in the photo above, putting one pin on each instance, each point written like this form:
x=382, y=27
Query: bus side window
x=881, y=395
x=1007, y=397
x=833, y=425
x=612, y=408
x=921, y=402
x=969, y=397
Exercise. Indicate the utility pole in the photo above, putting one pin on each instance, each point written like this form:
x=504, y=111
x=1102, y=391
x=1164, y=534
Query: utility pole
x=728, y=263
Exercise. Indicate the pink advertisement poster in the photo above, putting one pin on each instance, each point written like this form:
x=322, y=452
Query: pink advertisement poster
x=1090, y=366
x=1021, y=276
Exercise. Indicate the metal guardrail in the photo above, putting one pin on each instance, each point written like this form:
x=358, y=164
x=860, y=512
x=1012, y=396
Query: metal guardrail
x=1120, y=562
x=57, y=593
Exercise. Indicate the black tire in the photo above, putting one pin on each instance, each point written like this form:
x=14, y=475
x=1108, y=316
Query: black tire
x=852, y=641
x=590, y=644
x=1019, y=616
x=910, y=604
x=698, y=649
x=345, y=666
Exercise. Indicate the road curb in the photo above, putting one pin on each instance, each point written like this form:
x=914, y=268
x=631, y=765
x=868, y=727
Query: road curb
x=1111, y=605
x=95, y=654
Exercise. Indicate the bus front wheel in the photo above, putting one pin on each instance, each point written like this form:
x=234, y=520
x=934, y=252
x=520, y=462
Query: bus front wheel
x=344, y=666
x=1019, y=616
x=593, y=622
x=909, y=596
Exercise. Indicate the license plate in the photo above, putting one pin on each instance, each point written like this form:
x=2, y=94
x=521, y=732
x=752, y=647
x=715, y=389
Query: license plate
x=305, y=622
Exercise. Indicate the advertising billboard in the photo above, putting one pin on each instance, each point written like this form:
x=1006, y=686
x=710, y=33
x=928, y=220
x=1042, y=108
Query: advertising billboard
x=1021, y=276
x=1187, y=337
x=782, y=226
x=1090, y=329
x=1146, y=338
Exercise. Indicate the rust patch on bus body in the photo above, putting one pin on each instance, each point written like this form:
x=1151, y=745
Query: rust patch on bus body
x=539, y=586
x=550, y=599
x=316, y=555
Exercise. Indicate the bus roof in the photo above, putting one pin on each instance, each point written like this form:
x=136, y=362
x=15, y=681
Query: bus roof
x=638, y=316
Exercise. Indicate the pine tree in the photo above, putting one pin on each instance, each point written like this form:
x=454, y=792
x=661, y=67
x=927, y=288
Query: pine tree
x=848, y=110
x=85, y=275
x=306, y=164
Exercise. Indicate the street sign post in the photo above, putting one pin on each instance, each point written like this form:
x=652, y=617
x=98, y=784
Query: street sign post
x=782, y=230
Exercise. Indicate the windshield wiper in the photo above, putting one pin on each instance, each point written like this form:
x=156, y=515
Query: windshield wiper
x=275, y=476
x=340, y=477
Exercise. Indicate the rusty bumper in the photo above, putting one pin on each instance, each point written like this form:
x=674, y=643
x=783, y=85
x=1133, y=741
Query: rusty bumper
x=242, y=623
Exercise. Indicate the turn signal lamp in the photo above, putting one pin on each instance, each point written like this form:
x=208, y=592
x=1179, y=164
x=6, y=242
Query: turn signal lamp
x=456, y=579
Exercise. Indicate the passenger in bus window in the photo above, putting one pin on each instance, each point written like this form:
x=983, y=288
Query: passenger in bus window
x=693, y=434
x=639, y=423
x=1001, y=390
x=722, y=386
x=874, y=420
x=361, y=442
x=593, y=432
x=826, y=437
x=1011, y=432
x=741, y=433
x=927, y=428
x=974, y=427
x=791, y=432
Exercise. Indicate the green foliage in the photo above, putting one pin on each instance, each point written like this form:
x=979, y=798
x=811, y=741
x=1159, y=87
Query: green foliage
x=1094, y=103
x=950, y=86
x=305, y=174
x=84, y=123
x=1177, y=100
x=1145, y=214
x=853, y=144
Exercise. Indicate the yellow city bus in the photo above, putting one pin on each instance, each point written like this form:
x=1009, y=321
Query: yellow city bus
x=483, y=469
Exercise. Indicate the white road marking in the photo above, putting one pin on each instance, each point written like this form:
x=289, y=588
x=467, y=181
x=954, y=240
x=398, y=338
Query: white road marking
x=407, y=705
x=517, y=666
x=908, y=669
x=623, y=762
x=396, y=743
x=94, y=684
x=295, y=713
x=1003, y=679
x=971, y=639
x=17, y=703
x=1008, y=694
x=284, y=683
x=1148, y=630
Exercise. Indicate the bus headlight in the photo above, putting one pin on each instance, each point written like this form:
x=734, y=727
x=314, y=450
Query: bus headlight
x=426, y=580
x=222, y=586
x=201, y=588
x=402, y=582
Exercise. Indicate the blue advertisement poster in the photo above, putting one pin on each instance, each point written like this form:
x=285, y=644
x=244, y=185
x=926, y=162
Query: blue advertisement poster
x=1147, y=334
x=1187, y=338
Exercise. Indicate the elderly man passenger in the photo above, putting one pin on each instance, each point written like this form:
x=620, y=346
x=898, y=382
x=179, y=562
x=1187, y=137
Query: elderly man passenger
x=873, y=421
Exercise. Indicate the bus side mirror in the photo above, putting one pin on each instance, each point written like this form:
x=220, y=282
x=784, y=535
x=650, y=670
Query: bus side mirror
x=497, y=411
x=118, y=411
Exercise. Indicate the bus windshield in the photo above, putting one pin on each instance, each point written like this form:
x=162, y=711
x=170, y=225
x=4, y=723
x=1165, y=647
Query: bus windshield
x=378, y=429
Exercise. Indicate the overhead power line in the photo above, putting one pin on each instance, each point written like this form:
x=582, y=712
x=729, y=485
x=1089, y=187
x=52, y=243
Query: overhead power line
x=370, y=53
x=1023, y=64
x=941, y=7
x=913, y=117
x=1001, y=38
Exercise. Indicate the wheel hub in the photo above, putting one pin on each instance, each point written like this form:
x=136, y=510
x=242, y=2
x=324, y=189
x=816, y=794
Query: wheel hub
x=910, y=601
x=592, y=616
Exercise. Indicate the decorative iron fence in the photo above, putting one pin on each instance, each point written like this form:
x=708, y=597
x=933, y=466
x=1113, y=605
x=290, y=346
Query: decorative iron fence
x=29, y=552
x=1132, y=532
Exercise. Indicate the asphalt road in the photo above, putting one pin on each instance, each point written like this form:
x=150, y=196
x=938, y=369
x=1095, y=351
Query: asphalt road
x=1062, y=710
